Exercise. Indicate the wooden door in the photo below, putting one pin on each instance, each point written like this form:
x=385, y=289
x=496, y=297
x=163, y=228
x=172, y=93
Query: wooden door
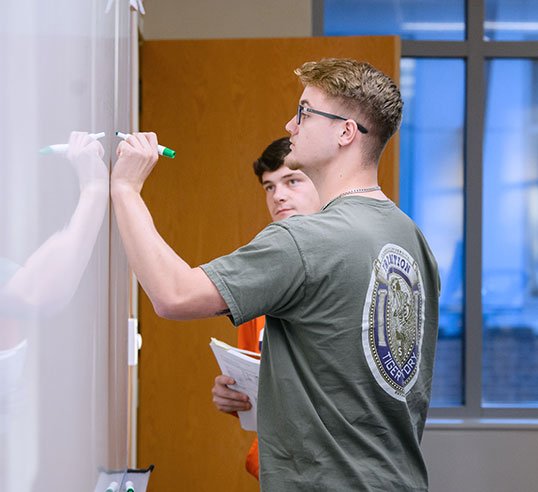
x=218, y=103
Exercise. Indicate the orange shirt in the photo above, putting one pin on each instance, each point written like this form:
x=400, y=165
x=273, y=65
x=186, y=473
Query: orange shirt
x=250, y=338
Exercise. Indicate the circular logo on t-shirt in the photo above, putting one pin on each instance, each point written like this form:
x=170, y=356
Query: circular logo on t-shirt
x=393, y=321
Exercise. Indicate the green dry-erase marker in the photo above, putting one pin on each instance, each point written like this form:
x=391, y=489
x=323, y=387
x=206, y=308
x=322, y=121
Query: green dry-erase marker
x=162, y=150
x=129, y=487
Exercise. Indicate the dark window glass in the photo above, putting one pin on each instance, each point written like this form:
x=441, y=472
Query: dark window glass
x=514, y=20
x=431, y=193
x=510, y=235
x=410, y=19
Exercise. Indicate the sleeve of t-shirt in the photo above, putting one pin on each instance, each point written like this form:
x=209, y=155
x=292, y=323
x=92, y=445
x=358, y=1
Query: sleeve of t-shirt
x=266, y=276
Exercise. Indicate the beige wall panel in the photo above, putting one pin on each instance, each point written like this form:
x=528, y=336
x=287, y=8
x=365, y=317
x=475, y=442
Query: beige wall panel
x=218, y=103
x=210, y=19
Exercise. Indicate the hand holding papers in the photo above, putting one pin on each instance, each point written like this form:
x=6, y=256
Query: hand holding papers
x=244, y=370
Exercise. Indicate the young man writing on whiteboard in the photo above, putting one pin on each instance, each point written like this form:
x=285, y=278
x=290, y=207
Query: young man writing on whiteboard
x=287, y=193
x=350, y=295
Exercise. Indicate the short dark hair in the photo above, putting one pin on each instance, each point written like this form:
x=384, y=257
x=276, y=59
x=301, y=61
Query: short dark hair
x=272, y=157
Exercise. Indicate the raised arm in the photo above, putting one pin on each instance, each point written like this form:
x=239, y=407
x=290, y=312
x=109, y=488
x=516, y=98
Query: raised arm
x=176, y=290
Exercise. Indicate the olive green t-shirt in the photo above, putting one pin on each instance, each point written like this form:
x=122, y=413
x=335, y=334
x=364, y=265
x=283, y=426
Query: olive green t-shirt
x=351, y=299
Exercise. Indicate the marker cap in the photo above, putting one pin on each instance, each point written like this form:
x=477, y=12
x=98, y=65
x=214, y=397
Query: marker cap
x=113, y=487
x=169, y=152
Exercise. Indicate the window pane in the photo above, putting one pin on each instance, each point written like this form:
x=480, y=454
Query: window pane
x=431, y=192
x=410, y=19
x=510, y=235
x=511, y=20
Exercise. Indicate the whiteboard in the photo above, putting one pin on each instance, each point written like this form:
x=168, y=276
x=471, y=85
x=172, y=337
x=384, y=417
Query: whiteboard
x=64, y=68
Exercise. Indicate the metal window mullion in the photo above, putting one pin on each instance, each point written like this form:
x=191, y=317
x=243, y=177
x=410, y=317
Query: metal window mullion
x=318, y=18
x=511, y=49
x=510, y=412
x=433, y=49
x=473, y=172
x=474, y=135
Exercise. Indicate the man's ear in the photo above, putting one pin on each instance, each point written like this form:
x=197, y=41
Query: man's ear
x=348, y=133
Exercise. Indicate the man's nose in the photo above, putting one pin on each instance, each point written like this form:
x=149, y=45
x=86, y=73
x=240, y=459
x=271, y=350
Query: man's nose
x=291, y=126
x=279, y=194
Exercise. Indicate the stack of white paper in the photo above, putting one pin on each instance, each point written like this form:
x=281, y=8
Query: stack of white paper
x=244, y=369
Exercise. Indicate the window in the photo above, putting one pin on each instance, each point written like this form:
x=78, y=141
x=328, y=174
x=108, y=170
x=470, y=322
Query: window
x=469, y=178
x=511, y=20
x=431, y=182
x=419, y=19
x=510, y=232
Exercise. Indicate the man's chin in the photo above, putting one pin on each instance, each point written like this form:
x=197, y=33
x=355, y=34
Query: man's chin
x=292, y=164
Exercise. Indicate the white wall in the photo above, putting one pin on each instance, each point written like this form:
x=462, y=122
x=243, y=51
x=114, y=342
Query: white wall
x=460, y=458
x=482, y=458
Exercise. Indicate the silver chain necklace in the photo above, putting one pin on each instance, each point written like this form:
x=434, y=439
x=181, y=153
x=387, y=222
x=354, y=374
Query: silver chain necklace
x=358, y=190
x=349, y=192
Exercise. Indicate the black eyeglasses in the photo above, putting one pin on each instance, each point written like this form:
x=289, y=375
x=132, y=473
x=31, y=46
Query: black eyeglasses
x=301, y=108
